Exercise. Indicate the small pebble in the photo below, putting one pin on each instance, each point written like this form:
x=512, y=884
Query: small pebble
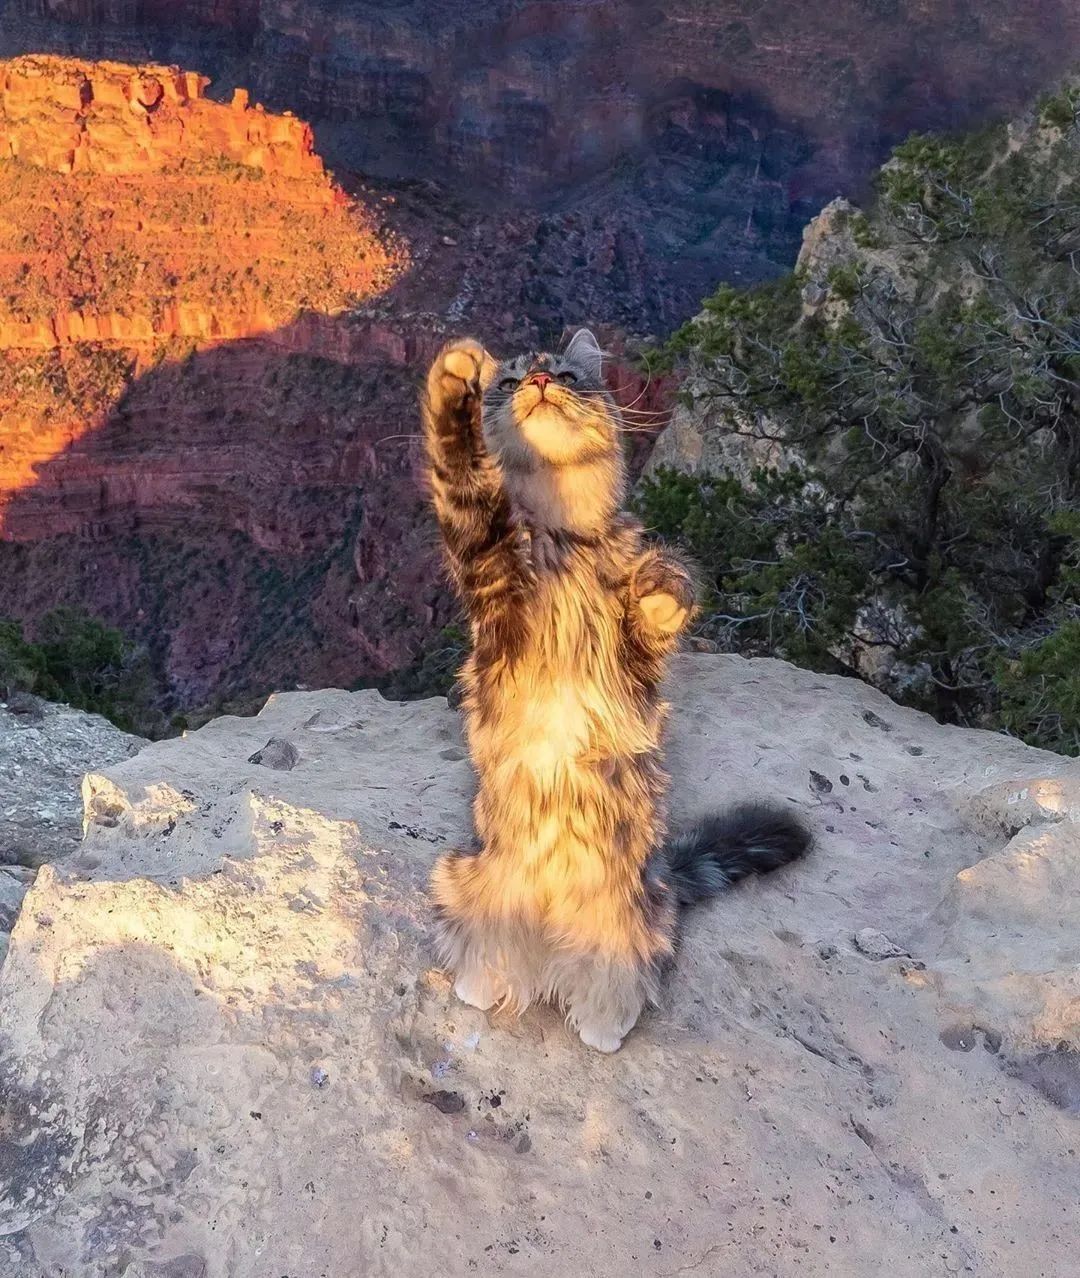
x=876, y=945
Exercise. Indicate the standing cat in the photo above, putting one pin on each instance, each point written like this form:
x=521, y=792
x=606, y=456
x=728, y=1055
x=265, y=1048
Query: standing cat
x=575, y=894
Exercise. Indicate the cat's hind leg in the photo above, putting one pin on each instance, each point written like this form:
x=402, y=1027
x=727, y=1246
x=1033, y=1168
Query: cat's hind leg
x=602, y=997
x=494, y=958
x=460, y=935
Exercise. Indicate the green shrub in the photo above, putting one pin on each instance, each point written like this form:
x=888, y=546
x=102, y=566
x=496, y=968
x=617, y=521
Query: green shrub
x=782, y=575
x=1040, y=691
x=21, y=663
x=78, y=660
x=927, y=391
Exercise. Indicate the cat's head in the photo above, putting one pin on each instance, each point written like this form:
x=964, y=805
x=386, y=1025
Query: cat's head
x=543, y=409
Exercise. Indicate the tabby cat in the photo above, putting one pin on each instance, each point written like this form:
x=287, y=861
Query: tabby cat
x=575, y=893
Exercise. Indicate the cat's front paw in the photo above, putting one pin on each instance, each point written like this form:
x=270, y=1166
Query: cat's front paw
x=457, y=378
x=663, y=590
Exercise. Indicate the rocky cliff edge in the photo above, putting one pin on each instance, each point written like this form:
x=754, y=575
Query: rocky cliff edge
x=226, y=1050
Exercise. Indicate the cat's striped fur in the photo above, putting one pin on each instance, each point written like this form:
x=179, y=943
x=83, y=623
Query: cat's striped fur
x=574, y=895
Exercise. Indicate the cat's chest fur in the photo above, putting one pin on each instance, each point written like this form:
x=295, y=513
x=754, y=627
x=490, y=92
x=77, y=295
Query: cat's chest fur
x=566, y=701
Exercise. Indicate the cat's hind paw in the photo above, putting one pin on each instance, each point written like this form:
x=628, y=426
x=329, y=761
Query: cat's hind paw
x=600, y=1038
x=480, y=988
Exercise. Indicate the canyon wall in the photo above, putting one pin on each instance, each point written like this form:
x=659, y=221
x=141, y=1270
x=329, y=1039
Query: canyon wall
x=106, y=117
x=162, y=214
x=185, y=392
x=717, y=127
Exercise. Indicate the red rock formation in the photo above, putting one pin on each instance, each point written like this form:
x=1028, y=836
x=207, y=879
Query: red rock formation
x=140, y=220
x=106, y=117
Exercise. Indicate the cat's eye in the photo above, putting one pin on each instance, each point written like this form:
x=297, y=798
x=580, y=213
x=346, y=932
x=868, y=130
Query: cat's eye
x=567, y=378
x=509, y=384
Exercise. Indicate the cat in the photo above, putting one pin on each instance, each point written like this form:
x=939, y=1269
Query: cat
x=575, y=893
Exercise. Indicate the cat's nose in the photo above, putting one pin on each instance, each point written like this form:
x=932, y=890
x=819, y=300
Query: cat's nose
x=539, y=379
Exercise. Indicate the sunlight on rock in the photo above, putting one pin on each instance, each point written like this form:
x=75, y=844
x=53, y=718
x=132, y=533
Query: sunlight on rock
x=229, y=997
x=267, y=932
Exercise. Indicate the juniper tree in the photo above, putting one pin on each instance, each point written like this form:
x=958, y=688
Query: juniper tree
x=921, y=366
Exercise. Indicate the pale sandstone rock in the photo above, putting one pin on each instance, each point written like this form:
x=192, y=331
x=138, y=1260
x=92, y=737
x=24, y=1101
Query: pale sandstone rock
x=227, y=1053
x=44, y=751
x=705, y=438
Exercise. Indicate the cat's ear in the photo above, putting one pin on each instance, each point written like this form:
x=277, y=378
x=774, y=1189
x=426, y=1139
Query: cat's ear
x=584, y=350
x=489, y=366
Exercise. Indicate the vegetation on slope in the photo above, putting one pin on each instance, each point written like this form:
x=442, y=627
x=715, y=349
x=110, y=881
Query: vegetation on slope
x=228, y=240
x=919, y=373
x=78, y=660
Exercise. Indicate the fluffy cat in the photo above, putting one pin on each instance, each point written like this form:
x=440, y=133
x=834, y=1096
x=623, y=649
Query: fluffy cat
x=575, y=893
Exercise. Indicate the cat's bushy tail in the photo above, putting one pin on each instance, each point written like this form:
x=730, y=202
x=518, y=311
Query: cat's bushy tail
x=749, y=838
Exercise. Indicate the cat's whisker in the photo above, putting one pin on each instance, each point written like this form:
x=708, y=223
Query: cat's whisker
x=638, y=396
x=387, y=438
x=644, y=412
x=630, y=408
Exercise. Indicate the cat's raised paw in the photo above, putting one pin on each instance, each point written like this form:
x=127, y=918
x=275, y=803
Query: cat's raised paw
x=664, y=612
x=460, y=372
x=462, y=363
x=664, y=592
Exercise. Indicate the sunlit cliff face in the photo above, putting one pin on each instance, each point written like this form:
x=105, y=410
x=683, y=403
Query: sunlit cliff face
x=555, y=431
x=142, y=220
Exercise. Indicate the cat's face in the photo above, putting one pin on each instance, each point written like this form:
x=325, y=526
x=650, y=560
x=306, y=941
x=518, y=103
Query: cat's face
x=551, y=409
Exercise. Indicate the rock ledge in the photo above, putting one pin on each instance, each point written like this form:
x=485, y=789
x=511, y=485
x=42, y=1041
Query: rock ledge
x=226, y=1053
